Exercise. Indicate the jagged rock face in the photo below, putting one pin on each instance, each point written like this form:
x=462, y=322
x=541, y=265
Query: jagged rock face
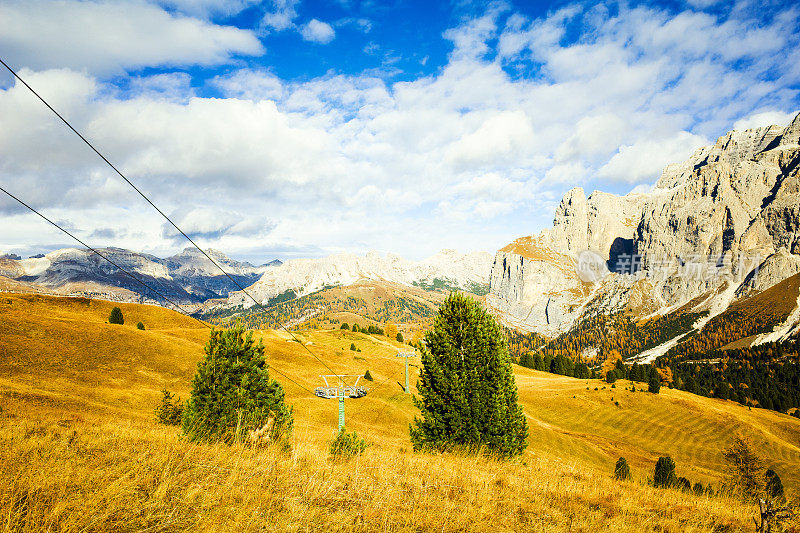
x=447, y=269
x=200, y=277
x=532, y=279
x=730, y=207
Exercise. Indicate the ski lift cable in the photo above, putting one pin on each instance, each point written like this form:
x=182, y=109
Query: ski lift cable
x=129, y=182
x=134, y=277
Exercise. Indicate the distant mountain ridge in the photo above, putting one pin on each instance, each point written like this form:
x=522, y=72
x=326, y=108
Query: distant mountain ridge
x=448, y=270
x=190, y=278
x=721, y=226
x=186, y=278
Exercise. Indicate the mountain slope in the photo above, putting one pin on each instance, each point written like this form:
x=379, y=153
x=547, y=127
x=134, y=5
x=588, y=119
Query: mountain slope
x=187, y=278
x=717, y=228
x=446, y=270
x=59, y=354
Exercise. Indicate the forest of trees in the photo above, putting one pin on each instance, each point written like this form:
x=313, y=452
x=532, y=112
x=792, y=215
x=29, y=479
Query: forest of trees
x=766, y=376
x=600, y=337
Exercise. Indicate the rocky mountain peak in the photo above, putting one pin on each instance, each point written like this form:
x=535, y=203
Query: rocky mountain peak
x=739, y=198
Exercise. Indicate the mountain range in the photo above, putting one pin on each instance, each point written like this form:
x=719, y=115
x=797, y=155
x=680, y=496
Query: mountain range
x=191, y=278
x=186, y=278
x=715, y=232
x=716, y=229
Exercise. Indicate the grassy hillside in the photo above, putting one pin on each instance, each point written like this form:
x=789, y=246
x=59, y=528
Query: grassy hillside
x=79, y=448
x=364, y=303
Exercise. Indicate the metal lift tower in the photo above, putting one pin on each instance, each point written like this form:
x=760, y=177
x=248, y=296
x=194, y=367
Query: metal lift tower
x=405, y=356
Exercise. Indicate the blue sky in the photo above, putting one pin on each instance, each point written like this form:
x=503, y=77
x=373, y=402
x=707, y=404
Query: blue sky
x=293, y=128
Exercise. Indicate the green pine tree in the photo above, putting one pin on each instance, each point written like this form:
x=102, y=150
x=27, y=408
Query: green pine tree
x=773, y=485
x=232, y=392
x=468, y=396
x=621, y=470
x=664, y=475
x=116, y=316
x=654, y=384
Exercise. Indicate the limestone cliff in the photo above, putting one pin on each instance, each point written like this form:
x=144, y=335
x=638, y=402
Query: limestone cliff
x=724, y=223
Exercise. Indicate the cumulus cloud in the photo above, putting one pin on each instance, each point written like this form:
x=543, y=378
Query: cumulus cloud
x=107, y=37
x=212, y=223
x=318, y=32
x=207, y=8
x=644, y=160
x=764, y=118
x=476, y=149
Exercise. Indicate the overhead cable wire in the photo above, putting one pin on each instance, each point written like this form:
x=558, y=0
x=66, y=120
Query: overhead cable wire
x=132, y=276
x=129, y=182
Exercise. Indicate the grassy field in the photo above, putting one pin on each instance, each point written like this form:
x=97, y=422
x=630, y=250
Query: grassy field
x=80, y=452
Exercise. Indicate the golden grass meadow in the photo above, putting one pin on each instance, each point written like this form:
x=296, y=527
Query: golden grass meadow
x=80, y=449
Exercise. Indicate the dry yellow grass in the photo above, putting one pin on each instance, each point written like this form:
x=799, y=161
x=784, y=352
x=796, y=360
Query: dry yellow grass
x=79, y=450
x=77, y=476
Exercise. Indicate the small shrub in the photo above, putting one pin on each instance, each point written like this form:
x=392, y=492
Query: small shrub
x=368, y=376
x=347, y=445
x=353, y=346
x=344, y=326
x=140, y=326
x=699, y=489
x=684, y=484
x=116, y=316
x=170, y=411
x=399, y=337
x=664, y=475
x=621, y=470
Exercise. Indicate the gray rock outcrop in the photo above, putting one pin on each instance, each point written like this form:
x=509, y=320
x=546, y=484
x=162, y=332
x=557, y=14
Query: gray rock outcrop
x=726, y=220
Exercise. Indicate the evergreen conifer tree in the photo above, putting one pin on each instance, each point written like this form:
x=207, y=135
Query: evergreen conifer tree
x=654, y=384
x=773, y=485
x=116, y=316
x=468, y=396
x=664, y=475
x=232, y=392
x=621, y=470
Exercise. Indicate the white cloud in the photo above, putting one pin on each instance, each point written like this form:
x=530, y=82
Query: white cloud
x=644, y=160
x=107, y=37
x=764, y=118
x=317, y=31
x=593, y=135
x=472, y=151
x=207, y=8
x=282, y=15
x=250, y=85
x=213, y=223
